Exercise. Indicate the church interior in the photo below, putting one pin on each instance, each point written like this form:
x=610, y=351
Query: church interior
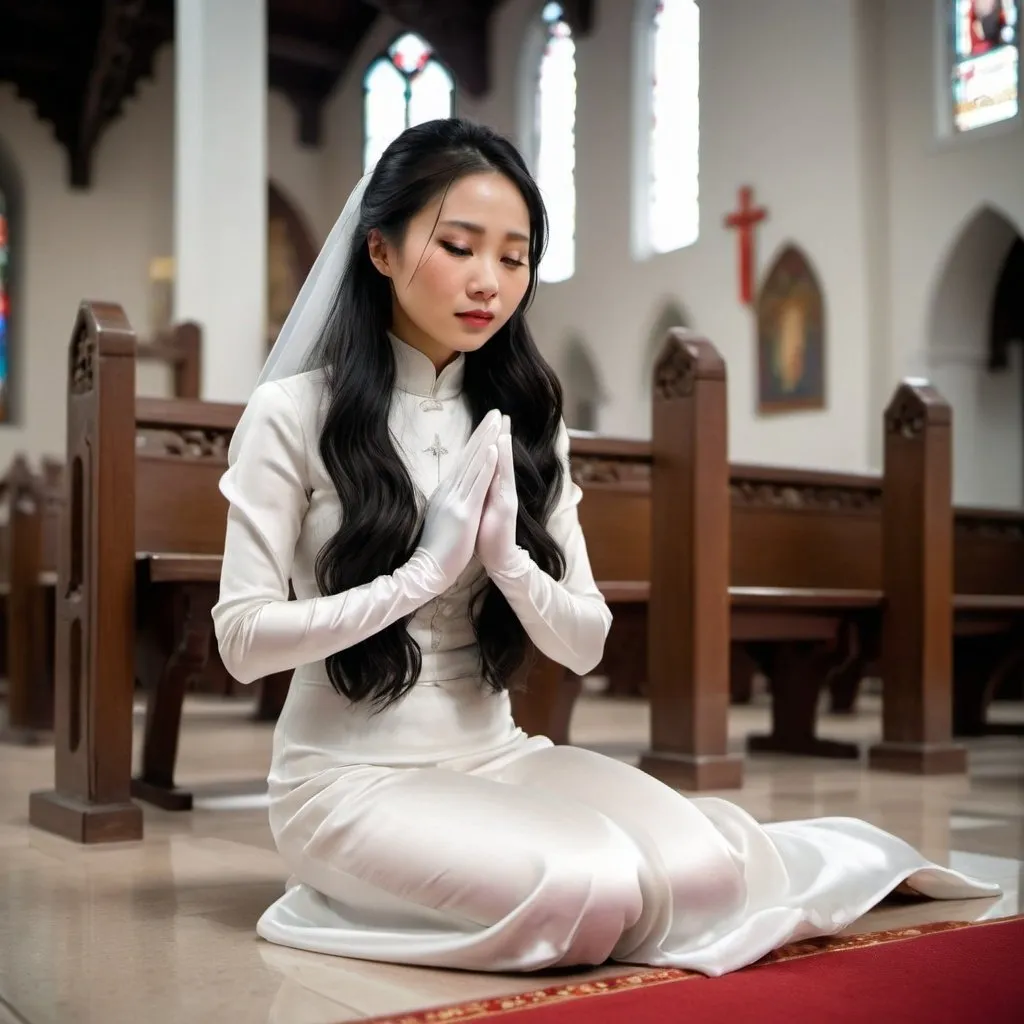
x=784, y=295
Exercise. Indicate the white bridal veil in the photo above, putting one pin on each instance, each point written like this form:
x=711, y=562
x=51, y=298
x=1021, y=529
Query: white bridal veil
x=309, y=311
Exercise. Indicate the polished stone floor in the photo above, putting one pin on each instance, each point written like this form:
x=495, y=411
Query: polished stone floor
x=162, y=931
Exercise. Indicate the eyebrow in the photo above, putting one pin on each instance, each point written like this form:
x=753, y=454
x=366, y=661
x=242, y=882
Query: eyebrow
x=476, y=229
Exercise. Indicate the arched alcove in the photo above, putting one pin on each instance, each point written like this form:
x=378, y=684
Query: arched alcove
x=974, y=295
x=291, y=253
x=671, y=313
x=581, y=381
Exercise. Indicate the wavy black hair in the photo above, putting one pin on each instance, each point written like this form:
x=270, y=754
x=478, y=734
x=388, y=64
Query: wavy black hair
x=381, y=522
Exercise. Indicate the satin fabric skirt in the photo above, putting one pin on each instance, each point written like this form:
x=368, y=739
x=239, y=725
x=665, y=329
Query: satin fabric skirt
x=536, y=856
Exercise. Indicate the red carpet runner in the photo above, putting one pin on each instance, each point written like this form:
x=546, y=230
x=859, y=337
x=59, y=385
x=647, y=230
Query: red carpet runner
x=947, y=973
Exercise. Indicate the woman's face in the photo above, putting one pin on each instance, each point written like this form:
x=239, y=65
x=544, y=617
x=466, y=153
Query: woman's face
x=462, y=269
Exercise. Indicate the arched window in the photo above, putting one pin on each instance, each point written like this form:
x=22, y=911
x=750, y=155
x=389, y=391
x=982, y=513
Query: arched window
x=554, y=141
x=404, y=86
x=5, y=308
x=984, y=61
x=668, y=148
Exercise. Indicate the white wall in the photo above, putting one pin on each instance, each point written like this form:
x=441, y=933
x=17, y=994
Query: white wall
x=98, y=243
x=936, y=190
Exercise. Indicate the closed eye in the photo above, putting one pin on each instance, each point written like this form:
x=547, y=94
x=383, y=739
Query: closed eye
x=456, y=250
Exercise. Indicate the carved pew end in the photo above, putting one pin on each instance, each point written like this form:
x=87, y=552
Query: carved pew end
x=91, y=800
x=688, y=622
x=917, y=634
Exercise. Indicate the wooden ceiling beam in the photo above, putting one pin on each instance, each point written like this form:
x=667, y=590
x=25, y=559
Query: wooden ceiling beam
x=107, y=83
x=307, y=70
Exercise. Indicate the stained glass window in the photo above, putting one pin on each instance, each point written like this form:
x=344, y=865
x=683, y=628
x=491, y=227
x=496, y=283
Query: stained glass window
x=403, y=87
x=673, y=140
x=985, y=77
x=555, y=142
x=4, y=309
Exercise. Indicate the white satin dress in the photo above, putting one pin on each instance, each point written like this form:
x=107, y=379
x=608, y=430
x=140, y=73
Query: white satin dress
x=437, y=832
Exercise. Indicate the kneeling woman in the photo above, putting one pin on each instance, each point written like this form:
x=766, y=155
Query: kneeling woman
x=404, y=465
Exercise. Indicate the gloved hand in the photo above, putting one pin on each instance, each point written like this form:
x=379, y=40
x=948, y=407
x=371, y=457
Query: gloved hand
x=496, y=539
x=453, y=512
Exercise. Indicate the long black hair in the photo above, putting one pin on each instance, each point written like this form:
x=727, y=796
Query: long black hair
x=381, y=522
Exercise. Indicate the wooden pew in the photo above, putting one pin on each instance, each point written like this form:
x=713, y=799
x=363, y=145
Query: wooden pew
x=688, y=616
x=615, y=477
x=730, y=571
x=35, y=502
x=988, y=574
x=811, y=556
x=94, y=677
x=181, y=348
x=33, y=521
x=140, y=547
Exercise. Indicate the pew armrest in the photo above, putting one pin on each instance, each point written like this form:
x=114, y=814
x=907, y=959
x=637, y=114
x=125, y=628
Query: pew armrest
x=625, y=591
x=804, y=597
x=167, y=567
x=988, y=602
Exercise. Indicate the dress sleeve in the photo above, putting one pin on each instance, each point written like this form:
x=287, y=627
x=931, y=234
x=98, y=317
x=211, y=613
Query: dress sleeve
x=568, y=619
x=259, y=630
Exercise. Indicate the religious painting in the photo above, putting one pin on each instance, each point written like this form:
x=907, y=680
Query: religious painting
x=790, y=337
x=985, y=78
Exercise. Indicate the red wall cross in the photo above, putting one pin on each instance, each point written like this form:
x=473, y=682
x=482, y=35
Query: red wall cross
x=744, y=219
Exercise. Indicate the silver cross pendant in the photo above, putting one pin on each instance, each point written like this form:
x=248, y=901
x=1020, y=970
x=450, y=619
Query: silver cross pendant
x=438, y=451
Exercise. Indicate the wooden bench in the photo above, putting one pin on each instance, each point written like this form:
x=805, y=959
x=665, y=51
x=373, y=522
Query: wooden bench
x=29, y=547
x=809, y=557
x=988, y=574
x=35, y=501
x=615, y=477
x=141, y=539
x=181, y=348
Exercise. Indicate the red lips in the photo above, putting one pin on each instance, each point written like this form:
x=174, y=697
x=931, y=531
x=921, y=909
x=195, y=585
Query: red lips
x=476, y=317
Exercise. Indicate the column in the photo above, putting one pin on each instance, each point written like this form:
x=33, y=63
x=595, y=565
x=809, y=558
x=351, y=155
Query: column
x=220, y=187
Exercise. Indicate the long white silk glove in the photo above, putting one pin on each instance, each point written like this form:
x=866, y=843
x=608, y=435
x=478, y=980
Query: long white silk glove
x=568, y=619
x=453, y=512
x=496, y=539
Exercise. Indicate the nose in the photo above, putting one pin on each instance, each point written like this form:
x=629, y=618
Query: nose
x=483, y=286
